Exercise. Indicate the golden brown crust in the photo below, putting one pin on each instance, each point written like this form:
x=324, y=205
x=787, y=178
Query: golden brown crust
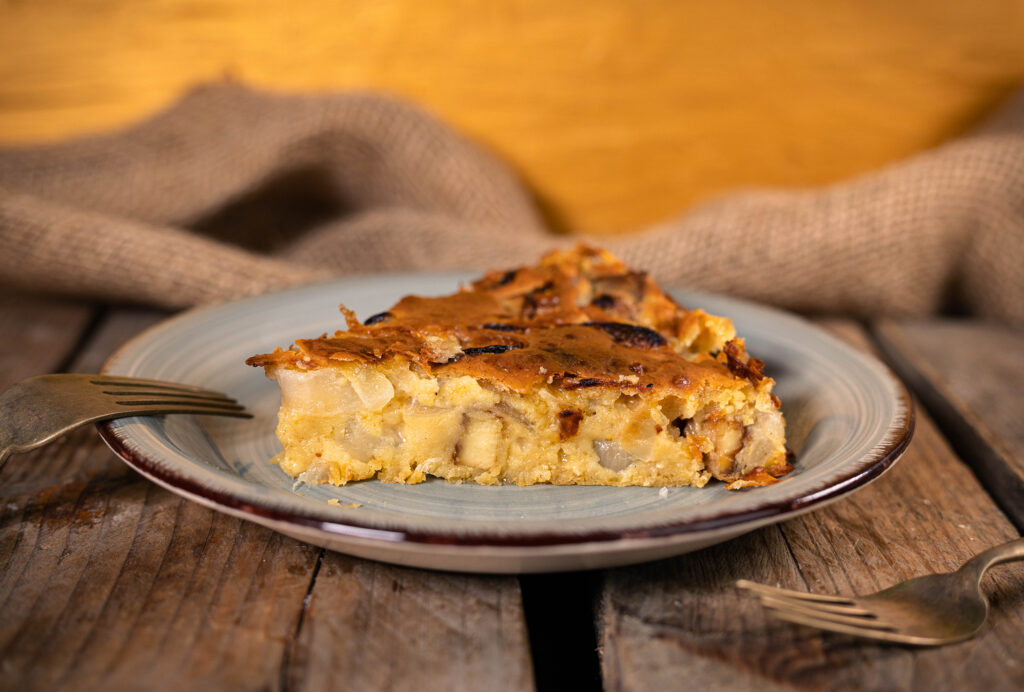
x=759, y=478
x=579, y=319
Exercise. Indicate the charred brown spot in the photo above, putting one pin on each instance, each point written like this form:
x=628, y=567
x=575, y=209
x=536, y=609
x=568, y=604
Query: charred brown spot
x=585, y=382
x=570, y=380
x=630, y=334
x=569, y=423
x=502, y=327
x=379, y=317
x=776, y=401
x=603, y=301
x=538, y=300
x=742, y=365
x=479, y=351
x=508, y=277
x=495, y=348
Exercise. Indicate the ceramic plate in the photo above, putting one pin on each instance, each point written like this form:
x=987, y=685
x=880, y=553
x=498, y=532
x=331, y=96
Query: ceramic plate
x=848, y=420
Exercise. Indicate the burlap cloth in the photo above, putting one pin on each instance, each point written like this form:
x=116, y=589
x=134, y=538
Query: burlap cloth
x=233, y=192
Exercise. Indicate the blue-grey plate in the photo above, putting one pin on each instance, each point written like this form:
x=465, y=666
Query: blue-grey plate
x=848, y=420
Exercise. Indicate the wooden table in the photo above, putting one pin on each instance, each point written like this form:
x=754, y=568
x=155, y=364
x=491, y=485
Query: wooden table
x=110, y=582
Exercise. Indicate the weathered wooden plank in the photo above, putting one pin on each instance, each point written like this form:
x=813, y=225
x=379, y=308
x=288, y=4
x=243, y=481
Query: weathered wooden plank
x=970, y=376
x=55, y=328
x=109, y=581
x=120, y=325
x=38, y=334
x=371, y=626
x=123, y=585
x=680, y=622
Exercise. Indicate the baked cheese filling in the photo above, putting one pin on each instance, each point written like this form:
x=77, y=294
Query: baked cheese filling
x=612, y=384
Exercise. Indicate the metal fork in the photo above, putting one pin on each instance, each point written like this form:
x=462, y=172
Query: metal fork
x=927, y=611
x=40, y=409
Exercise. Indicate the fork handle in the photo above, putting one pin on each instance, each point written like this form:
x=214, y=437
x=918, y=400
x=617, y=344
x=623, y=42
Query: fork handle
x=1007, y=552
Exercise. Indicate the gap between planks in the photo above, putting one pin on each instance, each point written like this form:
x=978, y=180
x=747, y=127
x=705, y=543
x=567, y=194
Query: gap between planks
x=560, y=619
x=289, y=650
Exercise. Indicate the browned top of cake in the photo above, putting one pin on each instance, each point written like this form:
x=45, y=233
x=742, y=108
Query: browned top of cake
x=579, y=319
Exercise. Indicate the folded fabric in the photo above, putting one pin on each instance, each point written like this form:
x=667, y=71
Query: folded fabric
x=233, y=192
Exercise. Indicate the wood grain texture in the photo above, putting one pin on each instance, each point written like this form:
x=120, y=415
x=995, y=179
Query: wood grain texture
x=371, y=626
x=971, y=376
x=111, y=582
x=680, y=623
x=618, y=114
x=39, y=334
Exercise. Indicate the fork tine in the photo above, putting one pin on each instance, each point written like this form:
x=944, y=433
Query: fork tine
x=176, y=408
x=886, y=634
x=789, y=593
x=112, y=381
x=198, y=405
x=852, y=615
x=223, y=398
x=821, y=619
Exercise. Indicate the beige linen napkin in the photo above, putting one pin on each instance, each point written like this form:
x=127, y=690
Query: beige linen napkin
x=233, y=192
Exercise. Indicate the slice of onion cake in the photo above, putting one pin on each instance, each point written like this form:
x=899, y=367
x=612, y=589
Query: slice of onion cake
x=575, y=371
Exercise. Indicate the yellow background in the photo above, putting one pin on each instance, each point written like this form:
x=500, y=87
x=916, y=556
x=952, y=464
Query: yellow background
x=617, y=114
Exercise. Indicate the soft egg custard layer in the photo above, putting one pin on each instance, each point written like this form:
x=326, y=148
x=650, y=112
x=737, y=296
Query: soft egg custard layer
x=352, y=421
